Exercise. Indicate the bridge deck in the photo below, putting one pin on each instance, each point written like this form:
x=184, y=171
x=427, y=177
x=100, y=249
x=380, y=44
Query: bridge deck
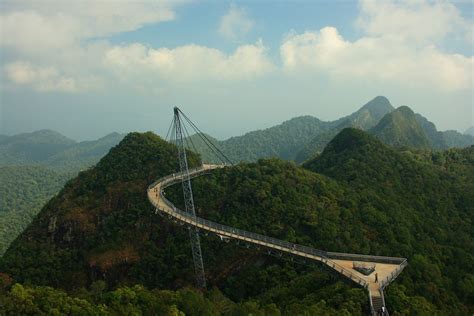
x=387, y=268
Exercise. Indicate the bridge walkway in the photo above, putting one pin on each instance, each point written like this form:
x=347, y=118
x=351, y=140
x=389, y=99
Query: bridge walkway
x=386, y=268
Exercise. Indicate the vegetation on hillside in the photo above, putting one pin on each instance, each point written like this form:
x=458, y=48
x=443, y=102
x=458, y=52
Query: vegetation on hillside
x=30, y=148
x=418, y=206
x=33, y=168
x=400, y=128
x=283, y=141
x=23, y=191
x=298, y=139
x=53, y=150
x=127, y=300
x=365, y=198
x=365, y=118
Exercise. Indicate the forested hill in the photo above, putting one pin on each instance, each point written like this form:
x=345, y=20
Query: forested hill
x=365, y=118
x=400, y=128
x=282, y=141
x=296, y=139
x=23, y=191
x=53, y=150
x=365, y=197
x=421, y=204
x=29, y=148
x=34, y=167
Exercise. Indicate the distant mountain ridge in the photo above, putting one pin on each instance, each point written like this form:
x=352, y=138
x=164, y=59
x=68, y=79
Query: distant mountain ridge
x=301, y=138
x=368, y=115
x=28, y=148
x=364, y=118
x=23, y=191
x=298, y=139
x=469, y=131
x=34, y=167
x=54, y=150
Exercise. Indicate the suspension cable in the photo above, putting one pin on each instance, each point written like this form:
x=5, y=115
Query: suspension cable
x=169, y=129
x=190, y=140
x=206, y=139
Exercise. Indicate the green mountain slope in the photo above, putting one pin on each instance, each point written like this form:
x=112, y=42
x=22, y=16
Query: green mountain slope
x=302, y=138
x=23, y=191
x=368, y=115
x=101, y=226
x=425, y=205
x=31, y=148
x=34, y=167
x=198, y=145
x=400, y=128
x=444, y=139
x=456, y=139
x=371, y=199
x=282, y=141
x=364, y=118
x=83, y=154
x=49, y=148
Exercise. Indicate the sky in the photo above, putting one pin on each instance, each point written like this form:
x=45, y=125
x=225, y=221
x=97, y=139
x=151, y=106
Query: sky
x=88, y=68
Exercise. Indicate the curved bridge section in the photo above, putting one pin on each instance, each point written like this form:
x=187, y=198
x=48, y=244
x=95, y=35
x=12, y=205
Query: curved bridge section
x=385, y=269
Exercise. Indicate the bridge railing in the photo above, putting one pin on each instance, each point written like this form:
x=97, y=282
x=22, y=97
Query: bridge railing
x=392, y=276
x=229, y=231
x=365, y=258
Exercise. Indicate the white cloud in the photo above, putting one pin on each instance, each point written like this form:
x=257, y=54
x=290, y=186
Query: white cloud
x=414, y=21
x=399, y=47
x=190, y=62
x=33, y=27
x=57, y=45
x=41, y=78
x=235, y=24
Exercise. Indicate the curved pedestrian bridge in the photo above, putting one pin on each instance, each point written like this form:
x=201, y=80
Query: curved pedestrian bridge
x=385, y=269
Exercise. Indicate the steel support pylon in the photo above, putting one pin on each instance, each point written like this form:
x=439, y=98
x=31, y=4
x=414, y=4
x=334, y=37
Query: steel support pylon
x=189, y=201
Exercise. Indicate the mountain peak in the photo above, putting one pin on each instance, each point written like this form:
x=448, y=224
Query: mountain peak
x=368, y=115
x=401, y=128
x=44, y=136
x=348, y=139
x=378, y=107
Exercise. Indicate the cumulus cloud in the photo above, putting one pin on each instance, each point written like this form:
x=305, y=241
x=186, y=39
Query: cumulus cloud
x=59, y=45
x=399, y=46
x=62, y=46
x=48, y=25
x=416, y=22
x=41, y=78
x=235, y=24
x=190, y=62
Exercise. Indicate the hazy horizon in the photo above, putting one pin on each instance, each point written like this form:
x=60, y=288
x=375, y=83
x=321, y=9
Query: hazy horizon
x=85, y=70
x=163, y=133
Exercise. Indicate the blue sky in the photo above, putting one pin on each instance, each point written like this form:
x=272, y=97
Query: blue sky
x=91, y=68
x=199, y=22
